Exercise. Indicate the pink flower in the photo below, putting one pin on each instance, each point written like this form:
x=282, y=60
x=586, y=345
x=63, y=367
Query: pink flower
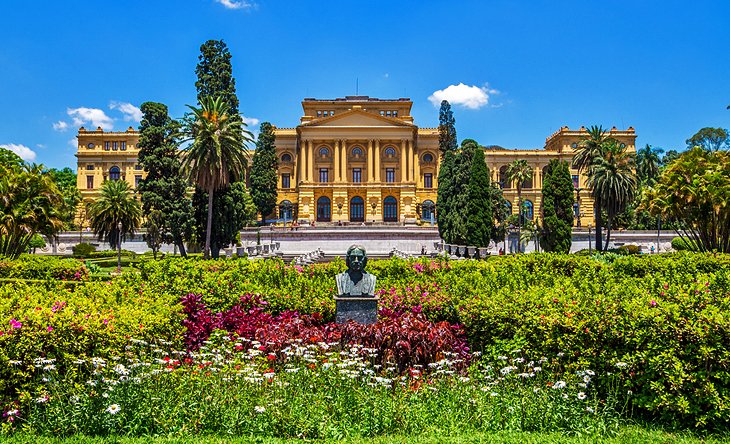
x=652, y=303
x=105, y=321
x=15, y=324
x=49, y=328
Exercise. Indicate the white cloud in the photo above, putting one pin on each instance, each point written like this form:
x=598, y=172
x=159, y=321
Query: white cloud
x=233, y=4
x=74, y=143
x=386, y=75
x=94, y=116
x=130, y=111
x=60, y=126
x=471, y=97
x=250, y=121
x=22, y=151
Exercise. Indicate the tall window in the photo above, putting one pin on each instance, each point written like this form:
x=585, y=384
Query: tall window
x=323, y=175
x=90, y=167
x=428, y=210
x=107, y=146
x=285, y=210
x=324, y=213
x=390, y=209
x=124, y=145
x=137, y=180
x=503, y=180
x=89, y=182
x=114, y=173
x=285, y=181
x=390, y=175
x=528, y=209
x=357, y=209
x=576, y=210
x=576, y=181
x=356, y=175
x=428, y=180
x=115, y=146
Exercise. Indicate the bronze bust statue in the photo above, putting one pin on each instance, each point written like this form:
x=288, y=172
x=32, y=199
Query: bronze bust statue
x=355, y=281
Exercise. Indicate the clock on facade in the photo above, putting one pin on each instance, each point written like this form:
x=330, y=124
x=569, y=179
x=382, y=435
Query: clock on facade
x=91, y=145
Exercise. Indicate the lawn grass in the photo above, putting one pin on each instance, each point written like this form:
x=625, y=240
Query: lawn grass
x=627, y=435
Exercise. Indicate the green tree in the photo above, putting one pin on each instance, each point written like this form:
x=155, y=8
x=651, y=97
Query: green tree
x=614, y=182
x=214, y=74
x=154, y=235
x=165, y=187
x=480, y=220
x=116, y=204
x=443, y=195
x=215, y=158
x=695, y=191
x=589, y=150
x=648, y=164
x=519, y=171
x=669, y=157
x=557, y=207
x=264, y=176
x=461, y=175
x=66, y=182
x=232, y=211
x=711, y=139
x=447, y=129
x=30, y=203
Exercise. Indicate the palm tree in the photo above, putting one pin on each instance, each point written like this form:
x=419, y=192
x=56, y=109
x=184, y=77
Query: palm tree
x=216, y=156
x=647, y=164
x=519, y=171
x=588, y=151
x=613, y=181
x=115, y=214
x=30, y=203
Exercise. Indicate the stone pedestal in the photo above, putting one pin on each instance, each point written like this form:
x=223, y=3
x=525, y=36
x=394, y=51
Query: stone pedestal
x=363, y=310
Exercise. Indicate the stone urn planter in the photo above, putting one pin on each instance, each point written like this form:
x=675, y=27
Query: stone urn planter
x=251, y=250
x=483, y=252
x=472, y=251
x=241, y=251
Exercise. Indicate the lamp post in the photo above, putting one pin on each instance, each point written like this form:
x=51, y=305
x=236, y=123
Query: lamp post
x=658, y=231
x=119, y=247
x=577, y=200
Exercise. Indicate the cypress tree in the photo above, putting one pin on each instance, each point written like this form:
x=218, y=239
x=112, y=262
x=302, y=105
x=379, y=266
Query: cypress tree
x=264, y=171
x=557, y=205
x=461, y=174
x=164, y=190
x=445, y=190
x=480, y=208
x=215, y=79
x=447, y=129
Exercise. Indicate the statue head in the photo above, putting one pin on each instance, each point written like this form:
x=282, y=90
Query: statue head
x=356, y=258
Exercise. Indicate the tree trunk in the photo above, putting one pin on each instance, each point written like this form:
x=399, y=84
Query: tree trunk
x=181, y=246
x=608, y=234
x=209, y=224
x=519, y=219
x=599, y=224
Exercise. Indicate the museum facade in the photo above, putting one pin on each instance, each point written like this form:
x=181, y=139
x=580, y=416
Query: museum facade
x=356, y=160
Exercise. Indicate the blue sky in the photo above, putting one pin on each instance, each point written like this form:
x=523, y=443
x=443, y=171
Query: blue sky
x=525, y=68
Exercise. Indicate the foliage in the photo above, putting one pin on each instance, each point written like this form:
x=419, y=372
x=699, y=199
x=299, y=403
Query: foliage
x=684, y=244
x=458, y=200
x=447, y=129
x=613, y=181
x=216, y=157
x=518, y=172
x=695, y=191
x=164, y=189
x=233, y=209
x=648, y=165
x=264, y=176
x=115, y=205
x=480, y=220
x=710, y=139
x=154, y=235
x=445, y=191
x=83, y=249
x=30, y=203
x=629, y=249
x=38, y=267
x=36, y=241
x=66, y=183
x=214, y=74
x=557, y=206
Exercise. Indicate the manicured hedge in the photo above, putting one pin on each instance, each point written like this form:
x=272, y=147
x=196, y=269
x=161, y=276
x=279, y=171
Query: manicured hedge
x=40, y=267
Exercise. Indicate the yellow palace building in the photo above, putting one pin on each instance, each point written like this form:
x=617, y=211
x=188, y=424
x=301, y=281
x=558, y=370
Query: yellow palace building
x=355, y=160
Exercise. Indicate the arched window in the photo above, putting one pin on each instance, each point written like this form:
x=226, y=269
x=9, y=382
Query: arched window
x=545, y=172
x=527, y=184
x=114, y=173
x=576, y=210
x=357, y=209
x=324, y=209
x=508, y=206
x=357, y=151
x=286, y=157
x=503, y=179
x=390, y=152
x=390, y=209
x=285, y=211
x=428, y=212
x=528, y=209
x=324, y=152
x=428, y=157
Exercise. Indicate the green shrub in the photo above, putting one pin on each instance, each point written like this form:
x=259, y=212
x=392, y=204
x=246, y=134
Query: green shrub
x=43, y=267
x=627, y=250
x=684, y=244
x=83, y=249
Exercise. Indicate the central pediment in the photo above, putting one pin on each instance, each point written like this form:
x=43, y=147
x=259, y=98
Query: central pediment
x=358, y=118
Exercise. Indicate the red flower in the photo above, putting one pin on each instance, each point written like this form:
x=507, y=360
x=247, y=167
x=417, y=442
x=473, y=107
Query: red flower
x=271, y=357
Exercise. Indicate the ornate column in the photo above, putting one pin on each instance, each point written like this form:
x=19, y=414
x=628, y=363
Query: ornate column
x=403, y=161
x=371, y=167
x=343, y=160
x=376, y=168
x=301, y=160
x=310, y=161
x=336, y=147
x=416, y=164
